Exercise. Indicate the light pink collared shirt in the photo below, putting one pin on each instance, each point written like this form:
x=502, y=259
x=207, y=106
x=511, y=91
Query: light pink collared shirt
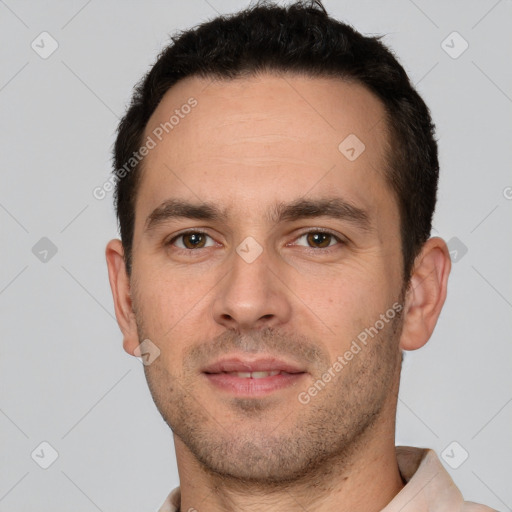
x=429, y=487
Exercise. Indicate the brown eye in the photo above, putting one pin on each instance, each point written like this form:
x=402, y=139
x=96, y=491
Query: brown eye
x=318, y=239
x=194, y=240
x=191, y=240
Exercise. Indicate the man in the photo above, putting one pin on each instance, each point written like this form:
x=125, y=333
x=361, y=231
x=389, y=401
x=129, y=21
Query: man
x=276, y=177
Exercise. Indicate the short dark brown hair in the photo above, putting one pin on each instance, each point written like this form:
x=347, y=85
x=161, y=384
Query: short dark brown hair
x=300, y=38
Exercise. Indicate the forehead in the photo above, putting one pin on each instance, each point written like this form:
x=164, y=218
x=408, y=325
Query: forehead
x=258, y=139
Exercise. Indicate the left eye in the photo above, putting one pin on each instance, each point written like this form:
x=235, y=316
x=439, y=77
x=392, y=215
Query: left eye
x=192, y=240
x=319, y=239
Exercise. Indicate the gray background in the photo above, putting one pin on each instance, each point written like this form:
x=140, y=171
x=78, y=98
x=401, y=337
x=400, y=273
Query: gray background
x=64, y=376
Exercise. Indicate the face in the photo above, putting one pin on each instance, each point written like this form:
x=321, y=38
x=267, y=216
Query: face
x=261, y=244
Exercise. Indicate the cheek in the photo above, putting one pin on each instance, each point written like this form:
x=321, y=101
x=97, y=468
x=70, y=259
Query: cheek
x=344, y=302
x=167, y=302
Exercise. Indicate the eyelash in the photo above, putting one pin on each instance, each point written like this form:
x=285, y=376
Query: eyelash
x=310, y=231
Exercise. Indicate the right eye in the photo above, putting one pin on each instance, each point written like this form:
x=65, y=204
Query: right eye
x=191, y=240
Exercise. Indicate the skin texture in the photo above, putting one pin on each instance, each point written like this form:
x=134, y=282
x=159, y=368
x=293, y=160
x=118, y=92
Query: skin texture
x=248, y=146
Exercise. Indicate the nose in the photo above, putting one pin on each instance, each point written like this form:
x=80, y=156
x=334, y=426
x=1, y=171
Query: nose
x=252, y=296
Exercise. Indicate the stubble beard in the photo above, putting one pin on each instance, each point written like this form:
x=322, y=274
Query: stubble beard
x=255, y=448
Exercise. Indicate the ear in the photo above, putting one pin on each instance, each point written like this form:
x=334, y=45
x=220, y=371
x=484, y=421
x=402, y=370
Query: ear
x=426, y=293
x=120, y=285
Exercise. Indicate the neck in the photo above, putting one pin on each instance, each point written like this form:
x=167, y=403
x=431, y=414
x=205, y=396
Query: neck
x=364, y=478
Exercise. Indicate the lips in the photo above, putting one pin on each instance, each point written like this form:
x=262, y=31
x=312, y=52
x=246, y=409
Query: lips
x=256, y=375
x=255, y=368
x=252, y=378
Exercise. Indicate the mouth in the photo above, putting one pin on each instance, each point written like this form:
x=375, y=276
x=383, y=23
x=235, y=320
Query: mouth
x=252, y=378
x=254, y=375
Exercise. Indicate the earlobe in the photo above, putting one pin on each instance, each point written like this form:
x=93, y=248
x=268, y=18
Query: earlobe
x=120, y=286
x=426, y=294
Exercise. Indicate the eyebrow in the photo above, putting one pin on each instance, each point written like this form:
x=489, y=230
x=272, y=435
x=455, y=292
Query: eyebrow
x=176, y=208
x=336, y=208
